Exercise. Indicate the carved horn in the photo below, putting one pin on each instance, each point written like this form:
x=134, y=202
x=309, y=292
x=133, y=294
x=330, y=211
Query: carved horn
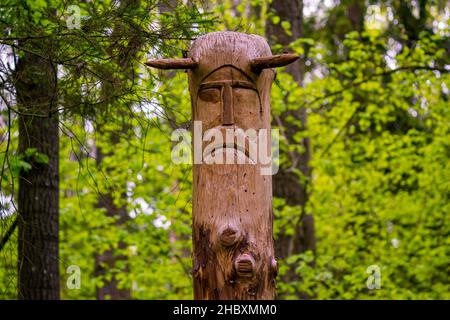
x=280, y=60
x=181, y=63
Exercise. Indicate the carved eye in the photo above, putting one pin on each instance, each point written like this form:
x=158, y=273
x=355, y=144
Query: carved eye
x=210, y=95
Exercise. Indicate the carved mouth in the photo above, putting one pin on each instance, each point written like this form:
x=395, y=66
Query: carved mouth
x=230, y=151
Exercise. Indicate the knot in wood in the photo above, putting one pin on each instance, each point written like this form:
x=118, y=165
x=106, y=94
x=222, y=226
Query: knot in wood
x=229, y=236
x=245, y=265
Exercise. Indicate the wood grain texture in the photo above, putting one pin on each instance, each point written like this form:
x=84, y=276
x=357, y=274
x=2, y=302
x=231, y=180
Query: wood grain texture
x=230, y=78
x=232, y=203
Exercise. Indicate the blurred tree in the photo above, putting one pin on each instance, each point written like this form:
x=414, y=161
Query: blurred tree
x=116, y=208
x=284, y=26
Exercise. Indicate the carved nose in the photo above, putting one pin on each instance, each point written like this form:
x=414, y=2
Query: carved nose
x=227, y=100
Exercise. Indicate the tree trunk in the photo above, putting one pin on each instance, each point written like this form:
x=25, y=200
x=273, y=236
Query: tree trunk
x=108, y=260
x=38, y=197
x=286, y=183
x=232, y=203
x=413, y=26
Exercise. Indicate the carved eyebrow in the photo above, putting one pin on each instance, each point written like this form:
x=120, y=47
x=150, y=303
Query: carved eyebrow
x=243, y=84
x=233, y=83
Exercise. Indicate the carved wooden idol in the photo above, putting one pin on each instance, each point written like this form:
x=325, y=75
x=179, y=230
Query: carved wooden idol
x=230, y=78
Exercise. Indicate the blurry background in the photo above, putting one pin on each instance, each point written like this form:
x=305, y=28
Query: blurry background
x=364, y=185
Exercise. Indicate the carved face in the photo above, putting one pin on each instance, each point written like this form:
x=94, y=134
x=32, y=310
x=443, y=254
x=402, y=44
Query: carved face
x=227, y=97
x=228, y=104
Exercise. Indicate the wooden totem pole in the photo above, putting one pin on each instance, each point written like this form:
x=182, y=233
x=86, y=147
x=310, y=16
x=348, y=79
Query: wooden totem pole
x=230, y=78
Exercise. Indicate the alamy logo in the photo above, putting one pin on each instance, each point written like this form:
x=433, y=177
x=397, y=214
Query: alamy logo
x=73, y=18
x=374, y=280
x=74, y=280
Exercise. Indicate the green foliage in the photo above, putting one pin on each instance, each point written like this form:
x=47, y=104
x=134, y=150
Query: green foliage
x=380, y=190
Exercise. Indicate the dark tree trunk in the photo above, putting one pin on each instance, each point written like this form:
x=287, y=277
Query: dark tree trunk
x=412, y=25
x=356, y=10
x=231, y=203
x=38, y=198
x=286, y=183
x=106, y=261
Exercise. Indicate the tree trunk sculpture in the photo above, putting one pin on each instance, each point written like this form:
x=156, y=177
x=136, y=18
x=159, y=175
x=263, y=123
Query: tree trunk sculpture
x=230, y=78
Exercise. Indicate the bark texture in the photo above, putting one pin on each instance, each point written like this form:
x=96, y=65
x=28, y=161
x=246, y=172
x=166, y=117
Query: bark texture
x=38, y=197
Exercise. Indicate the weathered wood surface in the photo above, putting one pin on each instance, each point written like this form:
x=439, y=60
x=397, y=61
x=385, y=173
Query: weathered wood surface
x=230, y=80
x=232, y=203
